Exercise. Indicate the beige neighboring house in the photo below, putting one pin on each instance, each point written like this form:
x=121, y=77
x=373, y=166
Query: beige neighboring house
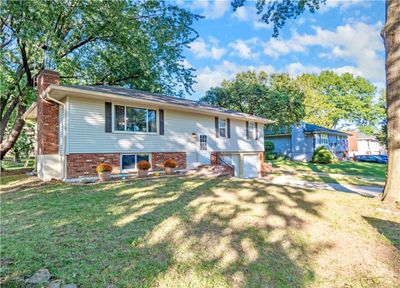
x=362, y=144
x=79, y=127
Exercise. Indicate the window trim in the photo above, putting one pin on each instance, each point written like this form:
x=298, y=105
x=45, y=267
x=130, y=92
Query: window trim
x=225, y=127
x=135, y=169
x=134, y=132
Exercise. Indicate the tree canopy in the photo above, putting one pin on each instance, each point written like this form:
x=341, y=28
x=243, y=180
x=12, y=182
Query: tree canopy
x=131, y=43
x=331, y=99
x=275, y=96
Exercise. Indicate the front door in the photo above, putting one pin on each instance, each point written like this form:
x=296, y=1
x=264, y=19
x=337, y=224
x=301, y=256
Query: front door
x=204, y=154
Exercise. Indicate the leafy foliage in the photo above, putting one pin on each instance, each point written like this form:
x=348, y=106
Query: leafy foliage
x=331, y=98
x=278, y=12
x=143, y=165
x=322, y=156
x=104, y=167
x=276, y=96
x=130, y=43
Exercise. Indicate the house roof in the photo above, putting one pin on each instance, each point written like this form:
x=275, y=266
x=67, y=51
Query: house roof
x=60, y=91
x=311, y=128
x=362, y=136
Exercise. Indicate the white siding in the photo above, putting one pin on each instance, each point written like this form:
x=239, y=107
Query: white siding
x=86, y=132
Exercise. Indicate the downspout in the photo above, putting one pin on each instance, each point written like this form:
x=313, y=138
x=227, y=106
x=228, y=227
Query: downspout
x=64, y=162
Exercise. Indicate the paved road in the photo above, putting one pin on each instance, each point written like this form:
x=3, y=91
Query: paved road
x=370, y=191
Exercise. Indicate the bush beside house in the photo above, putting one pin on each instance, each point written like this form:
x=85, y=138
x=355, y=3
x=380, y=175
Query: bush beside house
x=322, y=156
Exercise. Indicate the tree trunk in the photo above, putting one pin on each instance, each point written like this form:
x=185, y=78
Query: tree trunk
x=16, y=130
x=391, y=37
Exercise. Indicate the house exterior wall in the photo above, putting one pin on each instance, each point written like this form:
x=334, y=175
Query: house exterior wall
x=282, y=144
x=86, y=132
x=369, y=147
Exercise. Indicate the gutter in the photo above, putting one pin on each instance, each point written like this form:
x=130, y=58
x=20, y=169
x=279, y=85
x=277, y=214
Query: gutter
x=64, y=162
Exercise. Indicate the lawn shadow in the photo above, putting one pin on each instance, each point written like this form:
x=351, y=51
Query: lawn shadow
x=199, y=232
x=389, y=229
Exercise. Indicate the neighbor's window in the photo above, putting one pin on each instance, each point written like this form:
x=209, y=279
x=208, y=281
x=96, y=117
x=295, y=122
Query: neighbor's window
x=134, y=119
x=129, y=161
x=322, y=139
x=222, y=127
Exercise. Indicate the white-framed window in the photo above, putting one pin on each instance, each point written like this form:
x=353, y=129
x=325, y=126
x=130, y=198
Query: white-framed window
x=134, y=119
x=129, y=161
x=222, y=128
x=252, y=131
x=203, y=142
x=322, y=139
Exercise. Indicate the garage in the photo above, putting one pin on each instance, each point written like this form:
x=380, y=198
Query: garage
x=251, y=166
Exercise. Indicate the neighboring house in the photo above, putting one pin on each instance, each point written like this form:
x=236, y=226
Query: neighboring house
x=300, y=141
x=362, y=144
x=78, y=127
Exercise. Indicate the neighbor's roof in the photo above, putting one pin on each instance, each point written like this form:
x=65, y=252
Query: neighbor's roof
x=311, y=128
x=60, y=91
x=362, y=136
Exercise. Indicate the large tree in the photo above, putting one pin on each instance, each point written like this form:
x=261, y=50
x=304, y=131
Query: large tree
x=131, y=43
x=275, y=96
x=331, y=99
x=278, y=12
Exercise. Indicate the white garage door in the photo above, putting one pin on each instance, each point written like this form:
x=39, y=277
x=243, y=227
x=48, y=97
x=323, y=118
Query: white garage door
x=251, y=166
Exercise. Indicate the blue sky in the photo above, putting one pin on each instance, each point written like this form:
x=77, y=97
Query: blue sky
x=343, y=36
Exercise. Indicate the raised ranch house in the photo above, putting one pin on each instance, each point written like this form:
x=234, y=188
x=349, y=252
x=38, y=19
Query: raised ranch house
x=300, y=141
x=79, y=127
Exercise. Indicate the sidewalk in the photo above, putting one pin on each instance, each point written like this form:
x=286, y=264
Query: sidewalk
x=369, y=191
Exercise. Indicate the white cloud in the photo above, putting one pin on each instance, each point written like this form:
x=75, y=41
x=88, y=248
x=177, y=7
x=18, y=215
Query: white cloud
x=295, y=69
x=242, y=13
x=211, y=77
x=201, y=49
x=244, y=49
x=359, y=43
x=342, y=4
x=211, y=9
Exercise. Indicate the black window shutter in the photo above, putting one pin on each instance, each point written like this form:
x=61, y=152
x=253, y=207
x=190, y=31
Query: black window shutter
x=108, y=127
x=228, y=124
x=247, y=130
x=161, y=112
x=216, y=127
x=256, y=127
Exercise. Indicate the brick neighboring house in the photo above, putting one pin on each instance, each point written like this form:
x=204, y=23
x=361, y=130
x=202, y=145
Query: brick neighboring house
x=79, y=127
x=362, y=144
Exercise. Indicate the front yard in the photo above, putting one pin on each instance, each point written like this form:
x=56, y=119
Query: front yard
x=181, y=232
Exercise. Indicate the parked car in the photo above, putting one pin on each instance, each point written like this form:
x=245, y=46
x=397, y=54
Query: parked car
x=372, y=158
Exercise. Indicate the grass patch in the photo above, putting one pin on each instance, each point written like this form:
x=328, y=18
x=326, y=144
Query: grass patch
x=9, y=164
x=375, y=170
x=194, y=232
x=348, y=180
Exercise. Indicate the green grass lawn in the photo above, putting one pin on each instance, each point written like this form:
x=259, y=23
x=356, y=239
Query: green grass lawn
x=348, y=180
x=374, y=170
x=197, y=232
x=9, y=164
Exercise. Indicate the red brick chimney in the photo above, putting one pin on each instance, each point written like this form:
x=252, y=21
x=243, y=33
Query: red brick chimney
x=47, y=114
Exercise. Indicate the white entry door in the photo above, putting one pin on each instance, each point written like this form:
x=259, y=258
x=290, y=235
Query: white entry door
x=204, y=155
x=251, y=166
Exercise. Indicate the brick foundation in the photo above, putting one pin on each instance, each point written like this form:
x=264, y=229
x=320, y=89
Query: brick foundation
x=214, y=157
x=158, y=158
x=85, y=164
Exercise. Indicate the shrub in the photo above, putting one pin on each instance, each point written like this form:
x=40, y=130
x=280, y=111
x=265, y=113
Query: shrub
x=104, y=167
x=143, y=165
x=170, y=163
x=322, y=156
x=269, y=147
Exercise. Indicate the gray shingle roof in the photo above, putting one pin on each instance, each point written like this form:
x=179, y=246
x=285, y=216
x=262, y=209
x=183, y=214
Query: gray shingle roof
x=159, y=98
x=315, y=128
